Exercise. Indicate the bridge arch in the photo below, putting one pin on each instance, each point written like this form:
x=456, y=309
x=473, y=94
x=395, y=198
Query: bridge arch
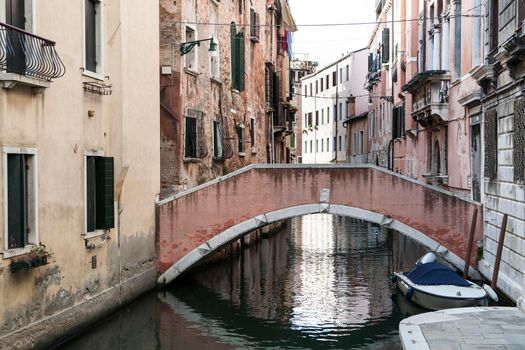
x=196, y=222
x=226, y=237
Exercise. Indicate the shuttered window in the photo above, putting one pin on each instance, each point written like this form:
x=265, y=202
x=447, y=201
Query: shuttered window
x=194, y=135
x=100, y=196
x=237, y=58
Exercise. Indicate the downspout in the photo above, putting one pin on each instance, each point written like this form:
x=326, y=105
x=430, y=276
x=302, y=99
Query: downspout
x=391, y=165
x=336, y=108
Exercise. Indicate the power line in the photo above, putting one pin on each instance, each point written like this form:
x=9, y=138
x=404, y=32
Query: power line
x=330, y=24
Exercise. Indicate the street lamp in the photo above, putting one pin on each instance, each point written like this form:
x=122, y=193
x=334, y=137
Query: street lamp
x=189, y=45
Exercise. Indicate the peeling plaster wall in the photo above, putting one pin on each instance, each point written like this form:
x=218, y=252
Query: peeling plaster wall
x=45, y=303
x=196, y=89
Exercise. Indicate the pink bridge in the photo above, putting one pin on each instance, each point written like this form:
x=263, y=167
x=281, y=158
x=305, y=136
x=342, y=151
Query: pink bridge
x=198, y=222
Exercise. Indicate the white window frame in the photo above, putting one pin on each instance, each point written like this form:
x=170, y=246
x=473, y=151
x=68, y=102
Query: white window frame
x=97, y=233
x=193, y=53
x=29, y=12
x=242, y=141
x=99, y=74
x=33, y=238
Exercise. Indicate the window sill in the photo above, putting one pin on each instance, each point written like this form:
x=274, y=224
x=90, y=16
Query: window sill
x=93, y=75
x=192, y=160
x=242, y=154
x=254, y=150
x=191, y=72
x=11, y=253
x=235, y=91
x=95, y=234
x=215, y=80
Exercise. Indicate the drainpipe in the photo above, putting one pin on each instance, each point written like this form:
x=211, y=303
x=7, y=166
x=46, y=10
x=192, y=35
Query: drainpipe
x=391, y=167
x=337, y=108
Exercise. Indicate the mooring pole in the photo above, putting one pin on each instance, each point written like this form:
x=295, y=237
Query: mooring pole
x=500, y=250
x=470, y=242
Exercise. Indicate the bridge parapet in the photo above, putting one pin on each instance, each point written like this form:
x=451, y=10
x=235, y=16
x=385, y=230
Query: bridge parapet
x=197, y=222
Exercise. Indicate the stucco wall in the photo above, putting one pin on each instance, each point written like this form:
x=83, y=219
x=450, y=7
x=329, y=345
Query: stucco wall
x=125, y=126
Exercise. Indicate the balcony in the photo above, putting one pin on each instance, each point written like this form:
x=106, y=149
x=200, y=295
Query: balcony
x=429, y=90
x=27, y=59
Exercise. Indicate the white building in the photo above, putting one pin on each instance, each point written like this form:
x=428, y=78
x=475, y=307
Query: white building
x=325, y=107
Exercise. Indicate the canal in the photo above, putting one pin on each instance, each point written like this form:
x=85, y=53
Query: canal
x=322, y=282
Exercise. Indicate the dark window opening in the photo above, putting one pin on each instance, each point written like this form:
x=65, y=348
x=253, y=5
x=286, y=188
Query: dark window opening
x=100, y=184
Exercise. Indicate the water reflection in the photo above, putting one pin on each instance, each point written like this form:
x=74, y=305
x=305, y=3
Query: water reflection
x=322, y=283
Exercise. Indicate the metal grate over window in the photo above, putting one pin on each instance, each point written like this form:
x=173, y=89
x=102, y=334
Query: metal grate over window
x=491, y=144
x=519, y=139
x=222, y=148
x=194, y=142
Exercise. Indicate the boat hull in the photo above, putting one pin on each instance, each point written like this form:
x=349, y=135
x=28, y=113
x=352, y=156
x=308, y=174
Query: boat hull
x=433, y=301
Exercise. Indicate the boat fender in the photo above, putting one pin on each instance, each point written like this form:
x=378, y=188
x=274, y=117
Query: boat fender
x=410, y=293
x=491, y=293
x=394, y=278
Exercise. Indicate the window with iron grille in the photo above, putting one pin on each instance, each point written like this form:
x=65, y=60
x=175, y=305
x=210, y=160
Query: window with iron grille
x=519, y=139
x=254, y=26
x=253, y=134
x=194, y=136
x=240, y=139
x=491, y=144
x=268, y=81
x=237, y=58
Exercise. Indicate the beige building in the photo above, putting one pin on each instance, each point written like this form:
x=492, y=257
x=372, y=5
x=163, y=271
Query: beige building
x=79, y=134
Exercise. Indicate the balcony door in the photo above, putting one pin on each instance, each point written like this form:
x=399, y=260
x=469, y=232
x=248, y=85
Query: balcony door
x=15, y=16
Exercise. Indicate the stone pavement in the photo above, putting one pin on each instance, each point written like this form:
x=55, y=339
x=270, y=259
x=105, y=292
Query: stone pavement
x=465, y=329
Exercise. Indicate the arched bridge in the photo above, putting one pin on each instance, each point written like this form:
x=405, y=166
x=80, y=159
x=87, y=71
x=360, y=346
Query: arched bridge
x=202, y=220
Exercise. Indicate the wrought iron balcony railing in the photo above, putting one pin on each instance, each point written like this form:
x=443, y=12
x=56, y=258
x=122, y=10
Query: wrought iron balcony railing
x=27, y=54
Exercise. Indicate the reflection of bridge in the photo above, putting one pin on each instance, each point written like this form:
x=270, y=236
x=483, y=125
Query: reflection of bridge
x=197, y=222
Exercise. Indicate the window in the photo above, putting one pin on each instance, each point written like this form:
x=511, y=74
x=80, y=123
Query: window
x=19, y=13
x=361, y=142
x=334, y=78
x=327, y=82
x=316, y=118
x=214, y=62
x=457, y=40
x=335, y=113
x=20, y=197
x=305, y=91
x=237, y=58
x=340, y=111
x=305, y=146
x=253, y=134
x=334, y=144
x=322, y=145
x=311, y=146
x=93, y=42
x=322, y=116
x=100, y=184
x=311, y=92
x=340, y=146
x=347, y=72
x=354, y=150
x=328, y=115
x=254, y=26
x=240, y=139
x=194, y=139
x=494, y=25
x=340, y=75
x=316, y=87
x=316, y=145
x=292, y=141
x=217, y=144
x=327, y=144
x=346, y=142
x=190, y=59
x=322, y=84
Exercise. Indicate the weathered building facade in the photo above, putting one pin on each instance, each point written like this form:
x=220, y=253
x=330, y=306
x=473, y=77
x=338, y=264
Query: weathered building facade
x=80, y=163
x=502, y=140
x=219, y=112
x=326, y=95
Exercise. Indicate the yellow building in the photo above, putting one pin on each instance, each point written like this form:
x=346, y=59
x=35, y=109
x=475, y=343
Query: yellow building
x=79, y=134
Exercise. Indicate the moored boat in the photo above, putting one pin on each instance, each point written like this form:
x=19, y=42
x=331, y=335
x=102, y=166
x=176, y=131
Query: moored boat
x=435, y=286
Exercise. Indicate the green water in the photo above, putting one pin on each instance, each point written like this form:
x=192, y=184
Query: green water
x=321, y=283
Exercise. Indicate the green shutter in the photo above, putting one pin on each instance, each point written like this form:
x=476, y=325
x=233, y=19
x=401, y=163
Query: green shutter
x=233, y=57
x=90, y=194
x=105, y=182
x=239, y=48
